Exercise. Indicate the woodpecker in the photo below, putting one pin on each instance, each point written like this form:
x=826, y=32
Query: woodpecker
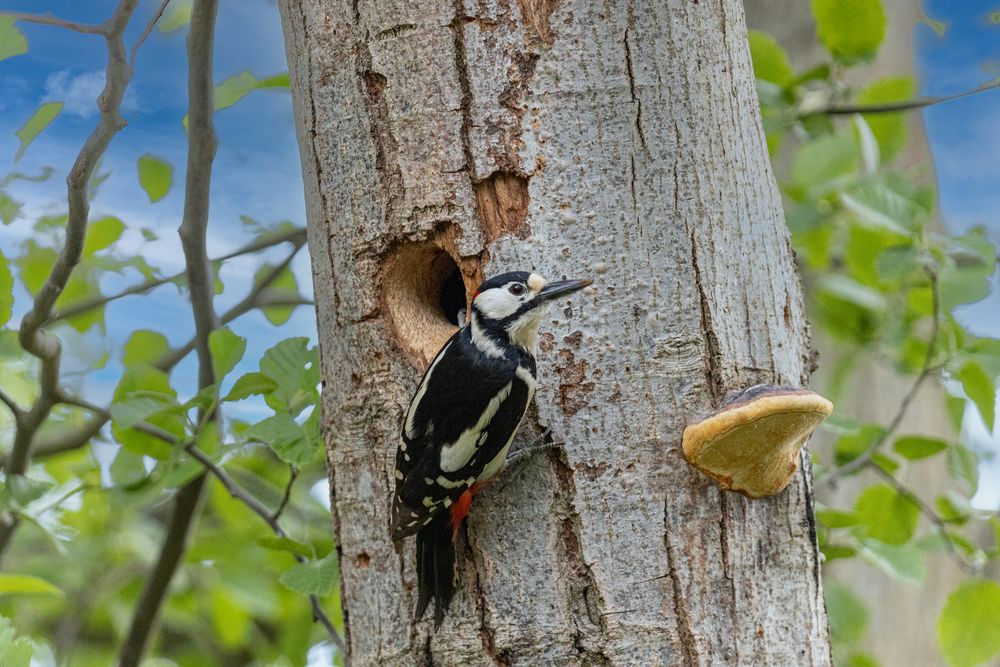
x=458, y=428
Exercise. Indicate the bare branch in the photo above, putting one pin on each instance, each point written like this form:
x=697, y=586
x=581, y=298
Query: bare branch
x=186, y=508
x=293, y=475
x=146, y=31
x=11, y=405
x=296, y=236
x=193, y=232
x=49, y=19
x=906, y=105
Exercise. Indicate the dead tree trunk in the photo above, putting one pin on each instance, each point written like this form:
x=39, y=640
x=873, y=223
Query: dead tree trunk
x=615, y=140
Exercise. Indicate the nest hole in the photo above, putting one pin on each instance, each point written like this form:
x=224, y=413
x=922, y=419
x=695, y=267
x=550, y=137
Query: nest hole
x=425, y=297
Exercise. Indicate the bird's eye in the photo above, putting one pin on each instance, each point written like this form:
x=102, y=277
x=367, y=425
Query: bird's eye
x=517, y=289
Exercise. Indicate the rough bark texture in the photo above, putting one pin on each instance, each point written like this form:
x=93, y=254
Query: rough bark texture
x=617, y=141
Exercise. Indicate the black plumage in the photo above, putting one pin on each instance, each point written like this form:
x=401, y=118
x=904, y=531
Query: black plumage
x=457, y=431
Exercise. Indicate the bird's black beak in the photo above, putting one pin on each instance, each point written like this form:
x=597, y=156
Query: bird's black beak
x=561, y=288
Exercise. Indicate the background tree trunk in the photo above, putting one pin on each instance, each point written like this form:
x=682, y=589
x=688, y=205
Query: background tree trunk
x=577, y=139
x=899, y=611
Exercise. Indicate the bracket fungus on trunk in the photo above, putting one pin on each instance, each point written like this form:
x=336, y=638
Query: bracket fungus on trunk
x=751, y=444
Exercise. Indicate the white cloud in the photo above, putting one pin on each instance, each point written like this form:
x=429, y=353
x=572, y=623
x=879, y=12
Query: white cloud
x=80, y=92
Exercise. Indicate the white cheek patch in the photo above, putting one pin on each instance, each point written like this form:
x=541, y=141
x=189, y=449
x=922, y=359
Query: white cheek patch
x=536, y=283
x=497, y=303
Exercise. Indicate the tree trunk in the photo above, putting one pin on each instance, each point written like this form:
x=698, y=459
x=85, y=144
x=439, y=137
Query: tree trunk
x=575, y=139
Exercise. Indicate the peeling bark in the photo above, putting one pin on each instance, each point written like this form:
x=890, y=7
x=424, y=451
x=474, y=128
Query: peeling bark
x=574, y=139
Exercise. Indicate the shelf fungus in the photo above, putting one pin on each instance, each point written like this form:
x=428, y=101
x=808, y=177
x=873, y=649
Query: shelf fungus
x=751, y=444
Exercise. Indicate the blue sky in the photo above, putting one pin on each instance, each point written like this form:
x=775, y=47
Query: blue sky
x=258, y=173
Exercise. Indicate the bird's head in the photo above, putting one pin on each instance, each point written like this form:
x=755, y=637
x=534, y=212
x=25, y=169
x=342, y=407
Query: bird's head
x=508, y=308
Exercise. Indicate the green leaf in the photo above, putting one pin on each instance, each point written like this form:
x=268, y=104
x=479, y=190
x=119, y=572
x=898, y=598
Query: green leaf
x=141, y=381
x=770, y=61
x=855, y=443
x=230, y=620
x=178, y=16
x=851, y=30
x=285, y=285
x=886, y=515
x=832, y=518
x=963, y=466
x=915, y=447
x=314, y=577
x=44, y=115
x=294, y=366
x=12, y=40
x=861, y=660
x=128, y=469
x=238, y=86
x=101, y=234
x=276, y=543
x=145, y=347
x=35, y=264
x=24, y=583
x=905, y=563
x=978, y=386
x=10, y=209
x=848, y=615
x=289, y=439
x=6, y=290
x=155, y=177
x=969, y=625
x=14, y=651
x=227, y=350
x=251, y=384
x=889, y=128
x=24, y=490
x=130, y=411
x=824, y=160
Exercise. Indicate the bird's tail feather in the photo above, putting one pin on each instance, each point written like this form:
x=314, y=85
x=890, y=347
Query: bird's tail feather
x=435, y=567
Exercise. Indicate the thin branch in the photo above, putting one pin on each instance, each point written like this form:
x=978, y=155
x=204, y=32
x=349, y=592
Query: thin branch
x=293, y=475
x=927, y=369
x=235, y=491
x=33, y=339
x=70, y=439
x=11, y=405
x=147, y=31
x=49, y=19
x=296, y=236
x=193, y=232
x=906, y=105
x=186, y=507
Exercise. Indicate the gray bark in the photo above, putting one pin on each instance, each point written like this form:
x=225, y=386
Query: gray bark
x=619, y=142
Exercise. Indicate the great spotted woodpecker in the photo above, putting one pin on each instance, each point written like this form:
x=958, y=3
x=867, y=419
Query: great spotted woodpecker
x=458, y=428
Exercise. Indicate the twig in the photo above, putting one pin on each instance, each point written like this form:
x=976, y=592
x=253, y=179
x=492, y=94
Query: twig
x=926, y=370
x=293, y=475
x=296, y=236
x=235, y=491
x=929, y=512
x=146, y=31
x=33, y=339
x=147, y=609
x=193, y=232
x=906, y=105
x=49, y=19
x=11, y=405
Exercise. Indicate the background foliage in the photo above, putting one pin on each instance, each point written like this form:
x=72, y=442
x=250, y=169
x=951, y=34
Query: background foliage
x=884, y=284
x=88, y=516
